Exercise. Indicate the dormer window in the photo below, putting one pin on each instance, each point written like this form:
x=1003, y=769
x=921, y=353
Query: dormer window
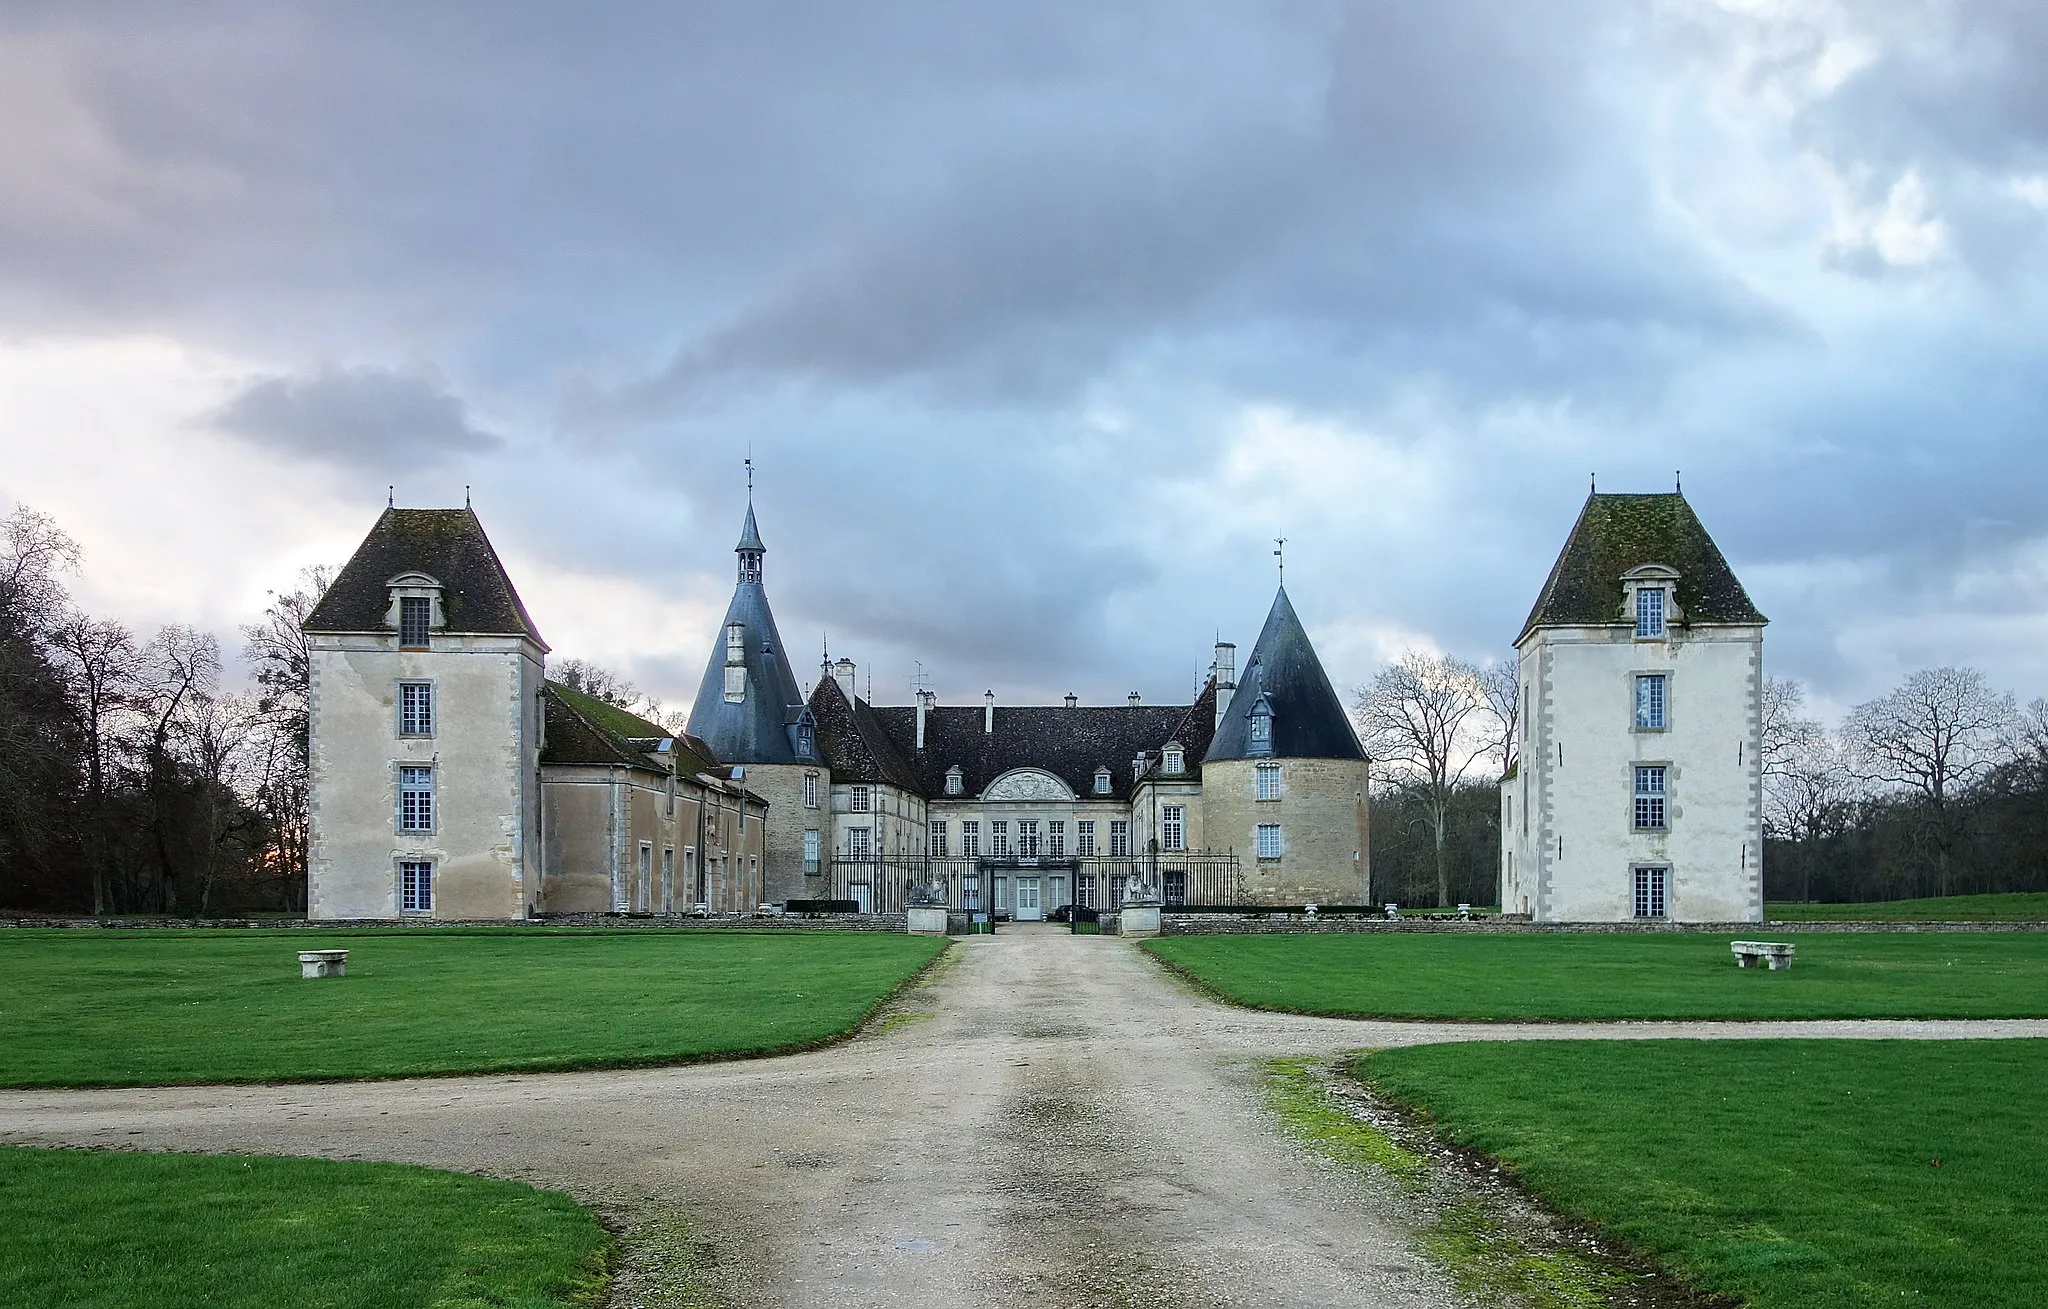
x=415, y=616
x=735, y=662
x=1175, y=760
x=956, y=781
x=1649, y=612
x=415, y=609
x=806, y=740
x=1102, y=781
x=1260, y=735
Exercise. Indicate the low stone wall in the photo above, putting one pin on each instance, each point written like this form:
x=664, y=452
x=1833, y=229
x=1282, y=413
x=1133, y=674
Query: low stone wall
x=614, y=922
x=1233, y=925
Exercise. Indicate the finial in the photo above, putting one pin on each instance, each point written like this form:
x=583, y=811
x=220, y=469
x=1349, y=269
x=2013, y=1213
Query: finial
x=1595, y=487
x=1280, y=553
x=465, y=495
x=1678, y=481
x=391, y=497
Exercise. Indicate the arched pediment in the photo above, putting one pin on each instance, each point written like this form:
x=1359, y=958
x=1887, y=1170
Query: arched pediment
x=1028, y=784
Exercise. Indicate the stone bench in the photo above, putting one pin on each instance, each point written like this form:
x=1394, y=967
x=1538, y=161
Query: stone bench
x=323, y=963
x=1778, y=954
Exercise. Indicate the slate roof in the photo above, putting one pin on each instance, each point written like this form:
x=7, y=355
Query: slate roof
x=853, y=742
x=754, y=731
x=1309, y=721
x=1069, y=743
x=582, y=729
x=448, y=545
x=1616, y=533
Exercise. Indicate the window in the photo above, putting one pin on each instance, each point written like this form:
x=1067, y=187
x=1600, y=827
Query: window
x=1650, y=892
x=415, y=799
x=415, y=708
x=1174, y=761
x=1173, y=827
x=668, y=875
x=955, y=782
x=861, y=800
x=859, y=843
x=970, y=838
x=1174, y=886
x=938, y=831
x=1269, y=840
x=735, y=662
x=1084, y=838
x=970, y=892
x=810, y=790
x=1119, y=838
x=1102, y=781
x=1027, y=839
x=1649, y=611
x=414, y=613
x=811, y=850
x=416, y=886
x=1652, y=699
x=1649, y=797
x=1084, y=890
x=999, y=839
x=646, y=873
x=1056, y=839
x=1268, y=776
x=806, y=739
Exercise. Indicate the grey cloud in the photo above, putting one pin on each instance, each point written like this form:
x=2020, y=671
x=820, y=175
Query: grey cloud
x=369, y=418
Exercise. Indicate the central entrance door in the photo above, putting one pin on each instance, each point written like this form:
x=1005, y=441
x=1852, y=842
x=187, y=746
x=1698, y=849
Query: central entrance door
x=1028, y=908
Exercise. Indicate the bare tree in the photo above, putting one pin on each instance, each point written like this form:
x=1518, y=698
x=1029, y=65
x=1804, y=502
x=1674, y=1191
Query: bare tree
x=1424, y=717
x=181, y=676
x=39, y=775
x=1502, y=686
x=99, y=662
x=2027, y=742
x=1787, y=735
x=34, y=552
x=283, y=658
x=1933, y=736
x=597, y=682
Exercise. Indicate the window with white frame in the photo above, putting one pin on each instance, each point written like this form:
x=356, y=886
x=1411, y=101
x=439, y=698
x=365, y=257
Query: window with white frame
x=1269, y=840
x=1649, y=797
x=668, y=873
x=970, y=891
x=1649, y=612
x=1267, y=777
x=1084, y=837
x=1119, y=838
x=415, y=614
x=955, y=780
x=735, y=662
x=810, y=790
x=1175, y=760
x=1173, y=827
x=1650, y=888
x=999, y=838
x=415, y=708
x=859, y=843
x=1027, y=838
x=860, y=800
x=938, y=838
x=1102, y=781
x=1056, y=839
x=1084, y=890
x=416, y=798
x=810, y=849
x=416, y=886
x=1653, y=699
x=970, y=838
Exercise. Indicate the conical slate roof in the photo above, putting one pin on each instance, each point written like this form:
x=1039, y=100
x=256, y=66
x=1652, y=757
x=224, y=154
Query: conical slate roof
x=1309, y=721
x=1616, y=533
x=750, y=536
x=756, y=730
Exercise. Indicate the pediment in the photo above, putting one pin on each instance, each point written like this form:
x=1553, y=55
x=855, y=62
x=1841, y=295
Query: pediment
x=1028, y=784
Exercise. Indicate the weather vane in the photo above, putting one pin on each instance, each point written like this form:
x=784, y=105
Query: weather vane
x=1280, y=553
x=750, y=473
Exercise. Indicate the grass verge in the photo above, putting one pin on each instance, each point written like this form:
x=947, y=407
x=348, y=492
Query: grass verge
x=1619, y=976
x=2016, y=907
x=100, y=1009
x=1816, y=1174
x=105, y=1230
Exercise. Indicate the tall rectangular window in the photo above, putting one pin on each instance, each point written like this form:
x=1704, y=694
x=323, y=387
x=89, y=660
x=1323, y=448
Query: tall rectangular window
x=999, y=838
x=1268, y=776
x=1084, y=890
x=810, y=790
x=1027, y=839
x=1119, y=838
x=1056, y=839
x=862, y=800
x=970, y=838
x=415, y=798
x=1649, y=611
x=859, y=843
x=1653, y=697
x=1269, y=840
x=810, y=850
x=1649, y=797
x=414, y=613
x=668, y=875
x=416, y=886
x=1173, y=827
x=1650, y=892
x=938, y=838
x=1084, y=837
x=415, y=708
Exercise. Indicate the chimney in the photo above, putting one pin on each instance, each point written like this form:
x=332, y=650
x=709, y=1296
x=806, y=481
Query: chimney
x=842, y=673
x=924, y=702
x=988, y=713
x=1226, y=677
x=1134, y=699
x=1072, y=699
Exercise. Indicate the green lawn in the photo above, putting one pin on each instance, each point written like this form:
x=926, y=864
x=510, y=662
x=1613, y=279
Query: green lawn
x=104, y=1230
x=1786, y=1174
x=2027, y=906
x=82, y=1008
x=1623, y=975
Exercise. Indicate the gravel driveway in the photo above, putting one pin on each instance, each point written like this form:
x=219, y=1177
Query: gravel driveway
x=1048, y=1120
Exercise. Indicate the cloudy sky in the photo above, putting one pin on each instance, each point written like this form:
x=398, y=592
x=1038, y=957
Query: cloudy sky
x=1041, y=320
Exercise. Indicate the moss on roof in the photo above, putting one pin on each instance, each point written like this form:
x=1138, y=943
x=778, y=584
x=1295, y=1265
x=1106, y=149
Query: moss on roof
x=620, y=722
x=1616, y=533
x=448, y=545
x=582, y=729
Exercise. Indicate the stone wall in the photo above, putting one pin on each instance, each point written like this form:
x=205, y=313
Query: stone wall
x=1227, y=925
x=1323, y=832
x=782, y=854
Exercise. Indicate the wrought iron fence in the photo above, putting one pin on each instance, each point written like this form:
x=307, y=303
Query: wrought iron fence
x=1006, y=885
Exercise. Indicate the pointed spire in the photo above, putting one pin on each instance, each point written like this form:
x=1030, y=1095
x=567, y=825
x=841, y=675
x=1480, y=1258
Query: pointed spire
x=1283, y=687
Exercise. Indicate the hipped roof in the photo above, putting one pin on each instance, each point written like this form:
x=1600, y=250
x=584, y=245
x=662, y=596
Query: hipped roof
x=448, y=545
x=1617, y=533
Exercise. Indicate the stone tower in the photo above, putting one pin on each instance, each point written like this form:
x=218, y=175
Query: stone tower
x=750, y=713
x=1284, y=780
